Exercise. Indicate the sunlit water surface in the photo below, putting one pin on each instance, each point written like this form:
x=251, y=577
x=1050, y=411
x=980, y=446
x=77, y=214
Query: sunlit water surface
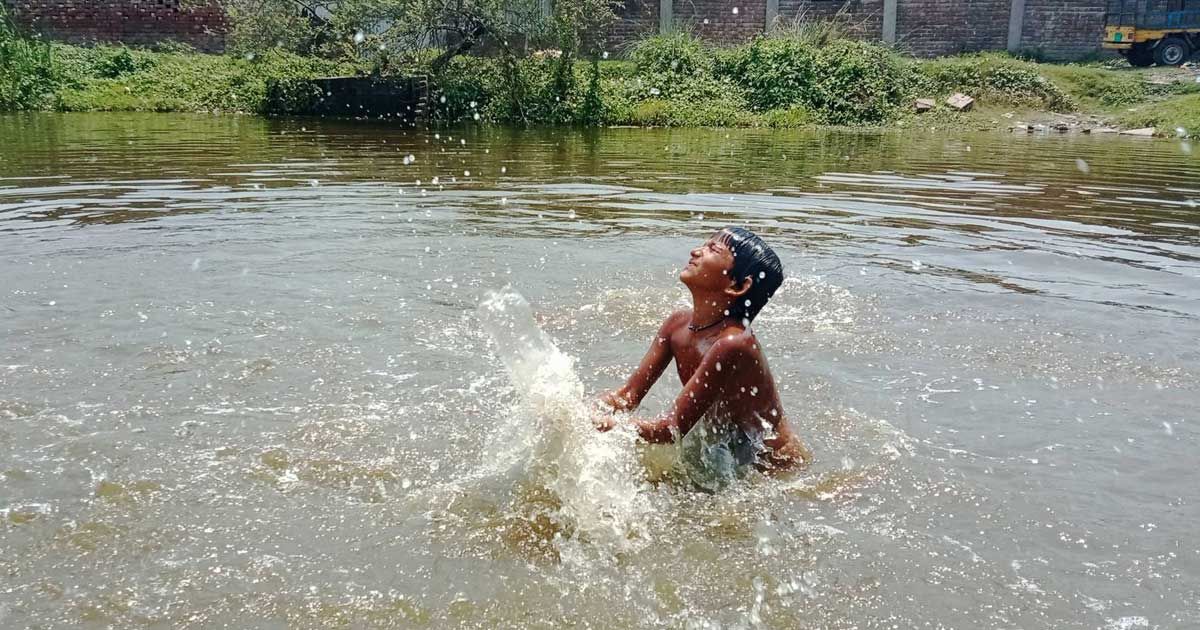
x=246, y=379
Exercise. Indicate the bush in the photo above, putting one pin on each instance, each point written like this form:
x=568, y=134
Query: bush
x=27, y=77
x=776, y=72
x=859, y=83
x=994, y=77
x=667, y=62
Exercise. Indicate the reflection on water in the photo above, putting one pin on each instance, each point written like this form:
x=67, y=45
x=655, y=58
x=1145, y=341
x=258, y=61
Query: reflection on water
x=243, y=378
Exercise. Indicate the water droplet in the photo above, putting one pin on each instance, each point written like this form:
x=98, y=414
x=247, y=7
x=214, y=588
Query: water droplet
x=443, y=98
x=604, y=55
x=1082, y=166
x=735, y=10
x=747, y=302
x=466, y=173
x=718, y=366
x=476, y=117
x=503, y=169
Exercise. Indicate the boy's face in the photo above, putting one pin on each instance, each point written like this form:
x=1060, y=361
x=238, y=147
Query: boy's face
x=709, y=265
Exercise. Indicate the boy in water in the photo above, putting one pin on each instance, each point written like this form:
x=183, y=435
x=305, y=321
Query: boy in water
x=724, y=373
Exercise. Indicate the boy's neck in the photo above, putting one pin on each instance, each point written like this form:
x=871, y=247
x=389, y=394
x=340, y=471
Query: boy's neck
x=708, y=309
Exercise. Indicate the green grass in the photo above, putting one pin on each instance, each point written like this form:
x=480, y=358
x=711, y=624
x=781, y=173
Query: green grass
x=119, y=79
x=1168, y=116
x=994, y=78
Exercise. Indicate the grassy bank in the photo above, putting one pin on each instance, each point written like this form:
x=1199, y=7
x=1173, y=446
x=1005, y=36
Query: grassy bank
x=69, y=78
x=788, y=80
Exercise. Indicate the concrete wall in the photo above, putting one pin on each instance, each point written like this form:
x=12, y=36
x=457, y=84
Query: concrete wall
x=134, y=22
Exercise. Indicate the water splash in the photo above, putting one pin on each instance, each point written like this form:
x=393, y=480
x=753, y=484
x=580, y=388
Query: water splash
x=550, y=438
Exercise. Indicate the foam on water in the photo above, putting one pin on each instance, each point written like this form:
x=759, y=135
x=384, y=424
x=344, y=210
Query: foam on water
x=548, y=436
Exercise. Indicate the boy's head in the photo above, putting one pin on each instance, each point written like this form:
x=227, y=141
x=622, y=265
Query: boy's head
x=736, y=261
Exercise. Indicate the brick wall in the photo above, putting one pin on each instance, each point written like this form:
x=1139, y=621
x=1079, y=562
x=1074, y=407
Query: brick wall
x=134, y=22
x=1058, y=29
x=1063, y=29
x=635, y=20
x=722, y=21
x=862, y=18
x=944, y=27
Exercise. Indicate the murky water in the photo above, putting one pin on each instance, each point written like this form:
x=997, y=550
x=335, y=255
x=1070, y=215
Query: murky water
x=245, y=382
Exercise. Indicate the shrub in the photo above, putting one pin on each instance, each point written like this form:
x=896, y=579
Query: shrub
x=27, y=76
x=667, y=62
x=859, y=83
x=776, y=72
x=994, y=77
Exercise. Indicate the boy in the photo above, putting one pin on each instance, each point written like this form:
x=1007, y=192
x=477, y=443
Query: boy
x=725, y=376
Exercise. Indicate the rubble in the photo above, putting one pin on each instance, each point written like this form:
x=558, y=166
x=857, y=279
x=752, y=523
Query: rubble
x=960, y=102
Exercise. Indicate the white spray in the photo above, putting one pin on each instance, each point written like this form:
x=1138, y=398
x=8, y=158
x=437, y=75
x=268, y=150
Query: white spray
x=596, y=476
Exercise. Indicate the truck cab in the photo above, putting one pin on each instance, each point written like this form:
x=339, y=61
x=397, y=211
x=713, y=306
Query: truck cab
x=1147, y=32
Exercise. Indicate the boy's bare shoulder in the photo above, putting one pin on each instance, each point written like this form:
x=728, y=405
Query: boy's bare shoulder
x=736, y=344
x=675, y=321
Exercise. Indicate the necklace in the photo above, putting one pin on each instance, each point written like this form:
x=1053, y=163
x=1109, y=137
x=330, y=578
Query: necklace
x=695, y=328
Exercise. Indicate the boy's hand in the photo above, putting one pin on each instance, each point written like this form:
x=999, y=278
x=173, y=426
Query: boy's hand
x=615, y=400
x=604, y=422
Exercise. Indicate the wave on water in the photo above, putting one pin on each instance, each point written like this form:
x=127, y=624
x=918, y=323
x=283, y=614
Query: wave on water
x=548, y=438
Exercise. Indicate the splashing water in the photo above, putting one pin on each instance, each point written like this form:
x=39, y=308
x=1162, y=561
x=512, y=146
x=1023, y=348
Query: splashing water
x=594, y=475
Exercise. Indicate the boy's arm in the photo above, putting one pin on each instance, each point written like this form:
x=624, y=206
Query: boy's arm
x=657, y=358
x=700, y=392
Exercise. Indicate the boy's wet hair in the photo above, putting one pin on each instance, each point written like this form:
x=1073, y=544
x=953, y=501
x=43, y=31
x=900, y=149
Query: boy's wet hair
x=752, y=258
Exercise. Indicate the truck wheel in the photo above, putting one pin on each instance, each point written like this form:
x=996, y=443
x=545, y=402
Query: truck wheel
x=1171, y=51
x=1140, y=56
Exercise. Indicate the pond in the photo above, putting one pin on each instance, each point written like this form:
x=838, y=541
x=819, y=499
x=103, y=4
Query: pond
x=244, y=378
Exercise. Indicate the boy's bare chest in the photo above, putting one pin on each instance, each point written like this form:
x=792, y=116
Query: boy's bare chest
x=689, y=354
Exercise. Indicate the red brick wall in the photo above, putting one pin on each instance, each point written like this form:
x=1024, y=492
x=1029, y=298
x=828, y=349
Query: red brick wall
x=132, y=22
x=635, y=20
x=1063, y=29
x=722, y=21
x=862, y=18
x=944, y=27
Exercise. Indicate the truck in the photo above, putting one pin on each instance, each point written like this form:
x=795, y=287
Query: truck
x=1147, y=32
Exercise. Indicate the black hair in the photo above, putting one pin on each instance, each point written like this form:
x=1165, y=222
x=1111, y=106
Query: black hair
x=752, y=258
